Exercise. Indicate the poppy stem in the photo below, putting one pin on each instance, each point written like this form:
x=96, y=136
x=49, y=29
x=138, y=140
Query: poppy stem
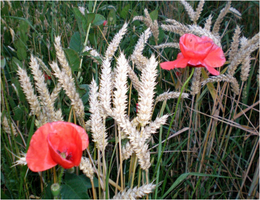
x=60, y=175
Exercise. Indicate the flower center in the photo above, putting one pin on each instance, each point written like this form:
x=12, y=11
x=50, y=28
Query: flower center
x=65, y=155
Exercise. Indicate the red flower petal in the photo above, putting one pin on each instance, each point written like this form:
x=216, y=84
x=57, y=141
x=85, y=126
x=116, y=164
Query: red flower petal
x=65, y=137
x=215, y=57
x=194, y=47
x=212, y=70
x=38, y=156
x=65, y=146
x=83, y=135
x=180, y=62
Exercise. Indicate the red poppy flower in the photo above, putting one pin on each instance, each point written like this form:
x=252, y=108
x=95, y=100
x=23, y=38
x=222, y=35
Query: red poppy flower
x=197, y=52
x=56, y=143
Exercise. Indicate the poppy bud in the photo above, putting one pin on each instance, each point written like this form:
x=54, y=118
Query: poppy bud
x=55, y=189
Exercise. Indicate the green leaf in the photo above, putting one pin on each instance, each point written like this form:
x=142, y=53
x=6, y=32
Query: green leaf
x=73, y=59
x=75, y=187
x=154, y=15
x=90, y=17
x=99, y=19
x=124, y=11
x=184, y=176
x=81, y=20
x=75, y=42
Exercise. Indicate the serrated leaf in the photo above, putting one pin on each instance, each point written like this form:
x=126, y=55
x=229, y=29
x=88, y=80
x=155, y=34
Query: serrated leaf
x=73, y=59
x=75, y=42
x=75, y=187
x=124, y=11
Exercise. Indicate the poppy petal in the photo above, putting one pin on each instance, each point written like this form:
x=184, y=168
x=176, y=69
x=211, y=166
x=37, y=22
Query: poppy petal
x=212, y=70
x=215, y=57
x=180, y=62
x=83, y=135
x=65, y=146
x=60, y=126
x=38, y=156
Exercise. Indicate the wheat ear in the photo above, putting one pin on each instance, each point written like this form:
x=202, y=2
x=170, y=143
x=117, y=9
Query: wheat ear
x=170, y=95
x=29, y=92
x=61, y=56
x=41, y=86
x=134, y=78
x=153, y=25
x=113, y=45
x=97, y=127
x=245, y=65
x=146, y=94
x=220, y=18
x=235, y=43
x=105, y=86
x=8, y=129
x=195, y=83
x=208, y=23
x=67, y=83
x=120, y=96
x=198, y=11
x=137, y=192
x=86, y=167
x=226, y=78
x=127, y=151
x=137, y=56
x=166, y=45
x=188, y=9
